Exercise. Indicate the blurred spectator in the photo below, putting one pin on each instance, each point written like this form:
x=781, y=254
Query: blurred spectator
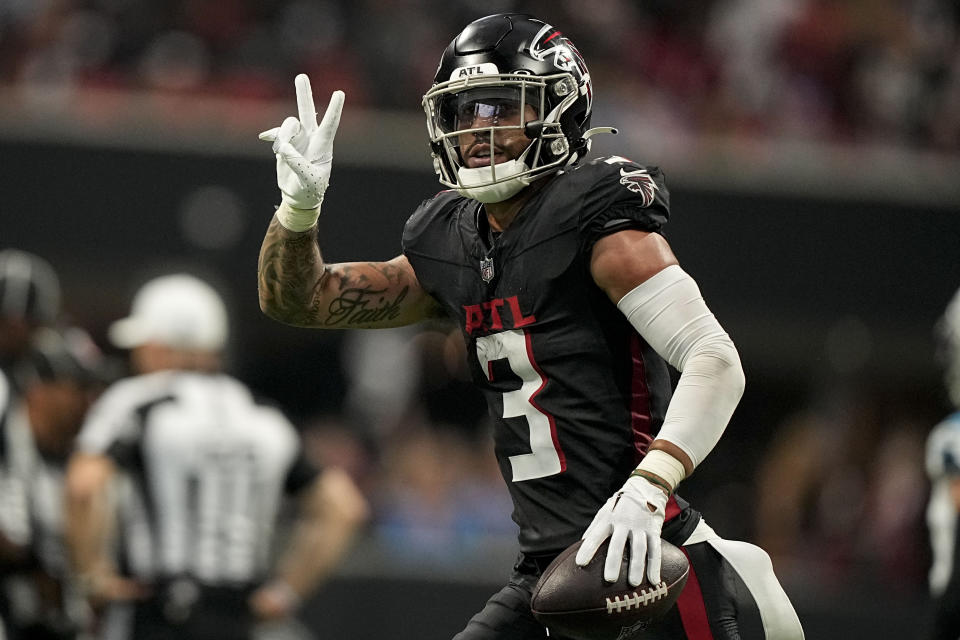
x=206, y=470
x=441, y=497
x=435, y=386
x=446, y=391
x=378, y=400
x=437, y=492
x=840, y=492
x=331, y=441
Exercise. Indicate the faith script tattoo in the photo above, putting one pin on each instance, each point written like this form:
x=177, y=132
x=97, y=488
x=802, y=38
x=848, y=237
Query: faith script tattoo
x=296, y=287
x=364, y=305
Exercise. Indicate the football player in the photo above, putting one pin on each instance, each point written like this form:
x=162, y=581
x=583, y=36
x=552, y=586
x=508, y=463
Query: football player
x=943, y=468
x=59, y=378
x=572, y=305
x=29, y=299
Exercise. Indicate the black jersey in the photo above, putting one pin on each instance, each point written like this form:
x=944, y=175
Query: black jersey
x=573, y=389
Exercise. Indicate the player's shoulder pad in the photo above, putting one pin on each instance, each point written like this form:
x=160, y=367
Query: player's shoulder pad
x=432, y=213
x=626, y=181
x=617, y=188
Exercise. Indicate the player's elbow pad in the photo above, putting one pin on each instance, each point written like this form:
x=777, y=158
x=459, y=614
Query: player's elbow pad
x=670, y=314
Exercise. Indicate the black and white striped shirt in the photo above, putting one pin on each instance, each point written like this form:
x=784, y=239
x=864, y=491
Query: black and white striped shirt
x=17, y=460
x=206, y=470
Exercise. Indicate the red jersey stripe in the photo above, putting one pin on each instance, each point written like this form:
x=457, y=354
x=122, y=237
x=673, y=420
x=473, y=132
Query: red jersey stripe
x=639, y=400
x=693, y=613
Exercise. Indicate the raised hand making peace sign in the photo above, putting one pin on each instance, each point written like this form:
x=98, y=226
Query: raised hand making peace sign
x=304, y=153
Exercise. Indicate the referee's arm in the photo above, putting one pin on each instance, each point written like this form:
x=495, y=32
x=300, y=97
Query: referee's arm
x=331, y=510
x=89, y=524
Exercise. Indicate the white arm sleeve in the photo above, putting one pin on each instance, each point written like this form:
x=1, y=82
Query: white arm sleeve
x=670, y=314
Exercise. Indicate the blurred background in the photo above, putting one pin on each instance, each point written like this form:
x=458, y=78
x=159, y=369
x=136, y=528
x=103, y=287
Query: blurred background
x=812, y=148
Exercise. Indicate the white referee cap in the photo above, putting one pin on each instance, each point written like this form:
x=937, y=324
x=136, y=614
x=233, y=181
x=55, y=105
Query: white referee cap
x=179, y=311
x=29, y=287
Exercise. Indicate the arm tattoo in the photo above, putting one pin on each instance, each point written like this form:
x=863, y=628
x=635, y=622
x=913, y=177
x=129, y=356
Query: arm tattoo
x=297, y=288
x=357, y=306
x=291, y=271
x=362, y=298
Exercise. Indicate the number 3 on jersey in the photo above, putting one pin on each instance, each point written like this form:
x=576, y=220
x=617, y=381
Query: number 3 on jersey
x=545, y=457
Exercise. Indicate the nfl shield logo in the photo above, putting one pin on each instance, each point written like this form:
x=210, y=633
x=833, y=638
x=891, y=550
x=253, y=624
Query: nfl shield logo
x=486, y=269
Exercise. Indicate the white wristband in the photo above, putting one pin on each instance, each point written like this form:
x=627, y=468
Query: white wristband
x=297, y=219
x=663, y=465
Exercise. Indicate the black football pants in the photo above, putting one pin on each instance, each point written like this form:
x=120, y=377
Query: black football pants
x=210, y=614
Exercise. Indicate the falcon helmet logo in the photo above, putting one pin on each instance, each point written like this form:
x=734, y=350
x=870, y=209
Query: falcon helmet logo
x=640, y=181
x=550, y=42
x=566, y=57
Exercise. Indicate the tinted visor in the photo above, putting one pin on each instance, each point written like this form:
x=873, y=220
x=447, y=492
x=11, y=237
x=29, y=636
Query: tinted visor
x=486, y=107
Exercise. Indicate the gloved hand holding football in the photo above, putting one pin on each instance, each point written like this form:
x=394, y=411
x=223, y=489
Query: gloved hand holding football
x=634, y=514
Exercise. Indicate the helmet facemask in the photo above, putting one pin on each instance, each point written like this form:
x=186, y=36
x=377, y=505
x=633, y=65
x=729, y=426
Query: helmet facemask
x=477, y=105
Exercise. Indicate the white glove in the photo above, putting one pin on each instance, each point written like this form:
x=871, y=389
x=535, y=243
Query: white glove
x=635, y=512
x=304, y=157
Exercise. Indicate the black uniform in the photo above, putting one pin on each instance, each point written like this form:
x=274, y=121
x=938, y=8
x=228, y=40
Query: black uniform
x=575, y=392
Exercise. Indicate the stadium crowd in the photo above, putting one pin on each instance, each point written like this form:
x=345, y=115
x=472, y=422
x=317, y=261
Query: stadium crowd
x=880, y=71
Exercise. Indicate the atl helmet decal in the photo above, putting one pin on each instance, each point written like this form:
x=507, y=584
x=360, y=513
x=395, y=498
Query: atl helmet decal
x=566, y=57
x=640, y=181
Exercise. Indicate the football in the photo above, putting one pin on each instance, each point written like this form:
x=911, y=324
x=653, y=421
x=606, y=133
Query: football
x=576, y=602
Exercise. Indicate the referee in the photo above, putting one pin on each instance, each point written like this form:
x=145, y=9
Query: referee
x=191, y=472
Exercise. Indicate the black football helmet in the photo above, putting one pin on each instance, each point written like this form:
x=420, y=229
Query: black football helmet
x=29, y=287
x=502, y=64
